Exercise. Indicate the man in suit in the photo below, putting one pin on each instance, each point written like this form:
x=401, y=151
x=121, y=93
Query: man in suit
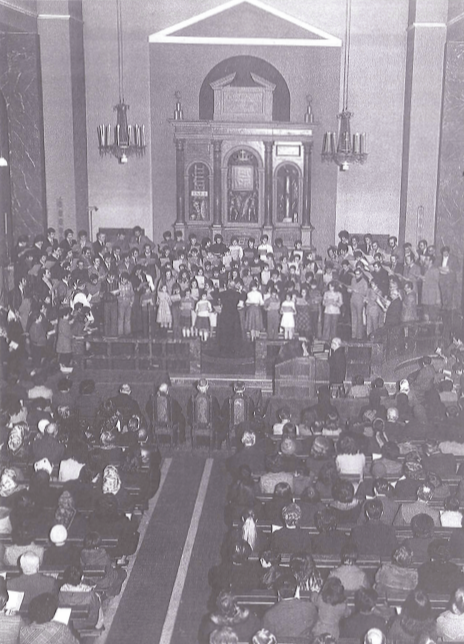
x=31, y=582
x=291, y=539
x=409, y=510
x=99, y=245
x=383, y=491
x=374, y=537
x=17, y=294
x=290, y=617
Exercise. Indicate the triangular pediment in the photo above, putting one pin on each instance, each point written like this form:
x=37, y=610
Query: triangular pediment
x=246, y=22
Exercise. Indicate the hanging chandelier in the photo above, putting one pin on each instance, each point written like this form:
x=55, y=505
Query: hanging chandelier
x=345, y=148
x=122, y=140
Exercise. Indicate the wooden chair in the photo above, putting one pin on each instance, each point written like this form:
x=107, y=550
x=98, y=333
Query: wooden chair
x=240, y=411
x=201, y=422
x=163, y=425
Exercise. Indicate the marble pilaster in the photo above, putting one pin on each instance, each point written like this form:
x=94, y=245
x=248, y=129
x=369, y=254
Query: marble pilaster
x=450, y=202
x=20, y=83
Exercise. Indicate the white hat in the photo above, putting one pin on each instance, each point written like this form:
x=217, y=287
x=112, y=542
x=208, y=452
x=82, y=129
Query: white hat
x=42, y=424
x=43, y=464
x=58, y=534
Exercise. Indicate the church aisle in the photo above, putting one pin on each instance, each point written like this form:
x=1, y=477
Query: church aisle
x=141, y=613
x=205, y=554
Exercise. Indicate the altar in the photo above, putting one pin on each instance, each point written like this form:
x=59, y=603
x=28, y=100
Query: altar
x=242, y=173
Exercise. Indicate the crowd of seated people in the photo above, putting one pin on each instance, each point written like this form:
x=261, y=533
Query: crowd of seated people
x=66, y=289
x=73, y=488
x=343, y=528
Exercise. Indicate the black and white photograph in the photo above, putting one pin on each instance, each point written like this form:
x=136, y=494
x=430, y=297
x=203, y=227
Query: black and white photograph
x=231, y=321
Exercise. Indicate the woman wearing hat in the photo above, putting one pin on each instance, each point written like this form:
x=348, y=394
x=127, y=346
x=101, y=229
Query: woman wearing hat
x=291, y=539
x=111, y=484
x=227, y=613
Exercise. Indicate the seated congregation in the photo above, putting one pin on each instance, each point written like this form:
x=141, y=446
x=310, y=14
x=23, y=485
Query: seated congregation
x=344, y=528
x=76, y=475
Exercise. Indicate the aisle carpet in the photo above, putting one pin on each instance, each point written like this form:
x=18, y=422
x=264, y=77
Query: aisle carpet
x=205, y=554
x=140, y=615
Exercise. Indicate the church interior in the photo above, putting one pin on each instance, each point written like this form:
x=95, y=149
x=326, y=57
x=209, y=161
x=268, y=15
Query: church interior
x=231, y=321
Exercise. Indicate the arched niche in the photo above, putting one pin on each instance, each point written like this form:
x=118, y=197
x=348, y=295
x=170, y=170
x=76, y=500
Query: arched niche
x=199, y=181
x=243, y=66
x=6, y=223
x=243, y=168
x=288, y=185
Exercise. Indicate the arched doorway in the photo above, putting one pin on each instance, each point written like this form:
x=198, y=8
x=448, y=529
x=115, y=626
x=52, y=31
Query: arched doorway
x=6, y=223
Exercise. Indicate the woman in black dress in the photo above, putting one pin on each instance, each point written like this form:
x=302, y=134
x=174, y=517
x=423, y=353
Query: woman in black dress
x=229, y=333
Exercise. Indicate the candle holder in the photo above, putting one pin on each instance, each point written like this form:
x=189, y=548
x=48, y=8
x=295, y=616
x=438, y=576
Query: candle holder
x=124, y=140
x=347, y=148
x=178, y=112
x=309, y=115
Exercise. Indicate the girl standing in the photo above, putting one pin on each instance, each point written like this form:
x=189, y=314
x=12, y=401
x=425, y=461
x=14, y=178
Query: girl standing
x=272, y=308
x=409, y=310
x=175, y=312
x=314, y=302
x=164, y=316
x=288, y=312
x=253, y=316
x=203, y=310
x=64, y=338
x=194, y=290
x=374, y=312
x=200, y=277
x=303, y=320
x=37, y=339
x=147, y=304
x=332, y=302
x=187, y=305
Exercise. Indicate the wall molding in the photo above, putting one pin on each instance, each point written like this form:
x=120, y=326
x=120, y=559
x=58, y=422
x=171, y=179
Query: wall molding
x=316, y=37
x=13, y=7
x=456, y=19
x=427, y=25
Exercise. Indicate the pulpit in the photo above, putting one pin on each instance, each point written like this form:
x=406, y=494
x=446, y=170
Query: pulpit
x=243, y=174
x=296, y=378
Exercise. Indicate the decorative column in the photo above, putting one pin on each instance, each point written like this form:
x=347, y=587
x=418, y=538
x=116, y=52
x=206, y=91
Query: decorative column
x=268, y=147
x=306, y=227
x=180, y=190
x=61, y=33
x=422, y=119
x=217, y=184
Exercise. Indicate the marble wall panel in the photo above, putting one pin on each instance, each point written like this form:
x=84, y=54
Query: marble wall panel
x=450, y=203
x=20, y=82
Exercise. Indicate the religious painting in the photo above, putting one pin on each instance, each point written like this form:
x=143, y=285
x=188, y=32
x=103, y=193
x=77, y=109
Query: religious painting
x=288, y=194
x=242, y=188
x=198, y=192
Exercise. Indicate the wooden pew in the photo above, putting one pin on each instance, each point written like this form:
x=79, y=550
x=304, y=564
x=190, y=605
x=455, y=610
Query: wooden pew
x=76, y=530
x=52, y=571
x=261, y=600
x=403, y=532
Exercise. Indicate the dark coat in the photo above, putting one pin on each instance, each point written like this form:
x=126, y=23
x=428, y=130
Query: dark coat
x=291, y=541
x=375, y=538
x=337, y=366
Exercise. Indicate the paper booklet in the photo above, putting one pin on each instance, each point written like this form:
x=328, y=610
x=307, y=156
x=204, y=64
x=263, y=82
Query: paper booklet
x=15, y=599
x=62, y=615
